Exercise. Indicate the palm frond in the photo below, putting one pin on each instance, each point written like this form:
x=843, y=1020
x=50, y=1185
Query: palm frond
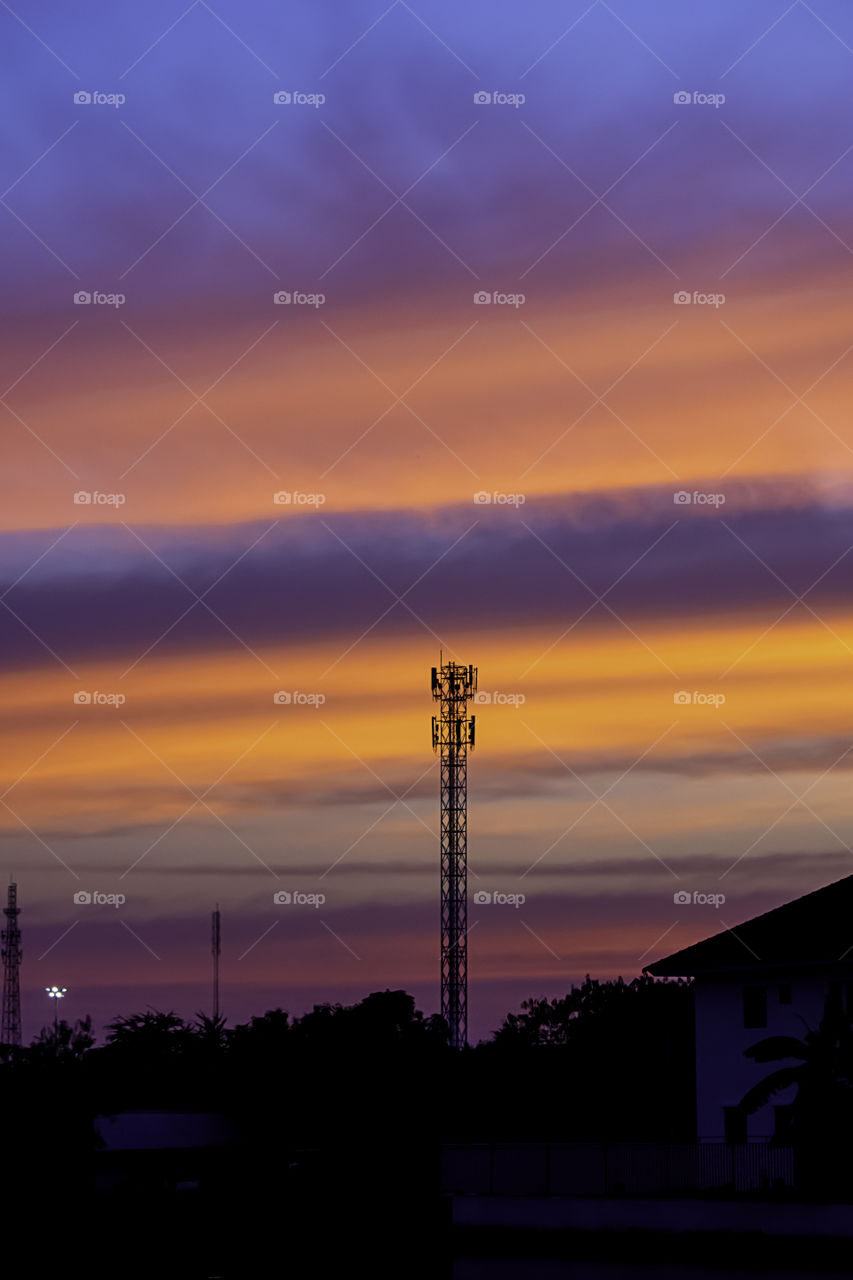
x=762, y=1092
x=773, y=1048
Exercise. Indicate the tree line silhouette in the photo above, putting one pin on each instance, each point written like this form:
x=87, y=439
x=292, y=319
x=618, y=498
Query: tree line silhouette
x=343, y=1110
x=610, y=1058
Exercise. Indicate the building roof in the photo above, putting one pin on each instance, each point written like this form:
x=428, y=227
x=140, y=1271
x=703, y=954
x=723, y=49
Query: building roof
x=816, y=929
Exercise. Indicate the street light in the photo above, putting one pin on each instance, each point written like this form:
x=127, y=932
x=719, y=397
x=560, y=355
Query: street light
x=56, y=993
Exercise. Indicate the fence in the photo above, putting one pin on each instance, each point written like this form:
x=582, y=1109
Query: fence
x=599, y=1169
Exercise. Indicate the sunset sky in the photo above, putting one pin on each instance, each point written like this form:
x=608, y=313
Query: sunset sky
x=599, y=494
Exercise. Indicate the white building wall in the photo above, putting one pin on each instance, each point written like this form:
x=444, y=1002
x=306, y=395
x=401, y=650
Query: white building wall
x=723, y=1074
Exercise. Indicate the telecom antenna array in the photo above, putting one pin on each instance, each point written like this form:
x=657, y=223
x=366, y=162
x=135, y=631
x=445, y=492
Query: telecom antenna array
x=453, y=686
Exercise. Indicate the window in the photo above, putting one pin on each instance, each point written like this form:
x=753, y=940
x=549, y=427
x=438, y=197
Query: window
x=784, y=993
x=755, y=1006
x=734, y=1124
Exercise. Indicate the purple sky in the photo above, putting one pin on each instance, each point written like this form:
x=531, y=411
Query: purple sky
x=399, y=197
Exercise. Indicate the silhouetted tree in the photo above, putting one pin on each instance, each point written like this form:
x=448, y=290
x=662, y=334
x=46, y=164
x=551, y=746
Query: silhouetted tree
x=589, y=1008
x=568, y=1057
x=381, y=1021
x=210, y=1034
x=149, y=1034
x=61, y=1042
x=266, y=1037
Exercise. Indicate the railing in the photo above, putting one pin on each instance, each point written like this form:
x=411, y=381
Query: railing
x=598, y=1169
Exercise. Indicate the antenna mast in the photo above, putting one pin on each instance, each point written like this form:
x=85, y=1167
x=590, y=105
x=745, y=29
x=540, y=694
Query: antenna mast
x=214, y=951
x=452, y=734
x=10, y=1022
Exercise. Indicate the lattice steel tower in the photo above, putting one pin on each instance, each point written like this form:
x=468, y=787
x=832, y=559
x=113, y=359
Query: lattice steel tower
x=453, y=733
x=10, y=1023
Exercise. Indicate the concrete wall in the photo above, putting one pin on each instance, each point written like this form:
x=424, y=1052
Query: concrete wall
x=723, y=1074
